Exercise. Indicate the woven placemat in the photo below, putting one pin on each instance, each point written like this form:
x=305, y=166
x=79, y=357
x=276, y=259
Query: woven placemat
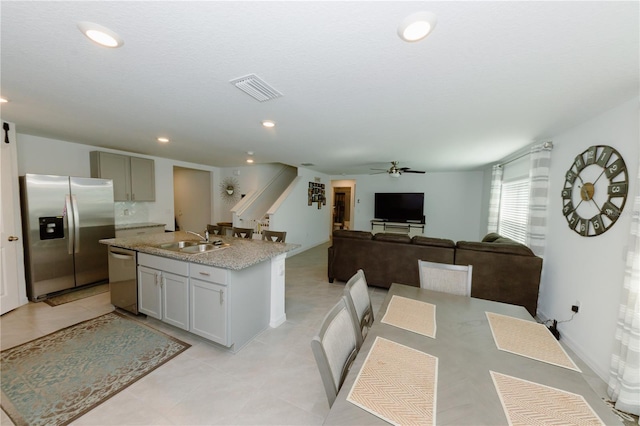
x=413, y=315
x=528, y=339
x=397, y=384
x=529, y=403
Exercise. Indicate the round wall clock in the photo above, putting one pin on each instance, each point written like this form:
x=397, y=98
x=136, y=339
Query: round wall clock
x=595, y=190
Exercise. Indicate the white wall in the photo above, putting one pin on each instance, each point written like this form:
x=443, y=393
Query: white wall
x=588, y=269
x=304, y=224
x=452, y=206
x=50, y=156
x=250, y=178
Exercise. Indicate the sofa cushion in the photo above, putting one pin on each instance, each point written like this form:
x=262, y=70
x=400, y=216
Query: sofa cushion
x=345, y=233
x=435, y=242
x=391, y=237
x=506, y=248
x=491, y=237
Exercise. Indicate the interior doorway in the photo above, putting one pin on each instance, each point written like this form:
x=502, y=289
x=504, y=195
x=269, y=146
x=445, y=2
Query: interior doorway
x=342, y=207
x=191, y=199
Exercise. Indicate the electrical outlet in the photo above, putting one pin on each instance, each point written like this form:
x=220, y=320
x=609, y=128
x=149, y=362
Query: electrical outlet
x=576, y=307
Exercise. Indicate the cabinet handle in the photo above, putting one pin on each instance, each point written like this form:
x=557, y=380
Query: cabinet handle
x=221, y=297
x=206, y=274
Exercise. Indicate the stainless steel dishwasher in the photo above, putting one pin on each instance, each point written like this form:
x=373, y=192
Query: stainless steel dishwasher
x=123, y=282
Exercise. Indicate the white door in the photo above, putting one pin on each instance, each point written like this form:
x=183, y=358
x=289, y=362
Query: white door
x=12, y=283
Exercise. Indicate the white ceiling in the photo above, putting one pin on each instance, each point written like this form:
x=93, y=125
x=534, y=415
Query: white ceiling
x=492, y=78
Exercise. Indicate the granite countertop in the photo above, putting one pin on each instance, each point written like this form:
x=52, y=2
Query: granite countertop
x=139, y=225
x=241, y=253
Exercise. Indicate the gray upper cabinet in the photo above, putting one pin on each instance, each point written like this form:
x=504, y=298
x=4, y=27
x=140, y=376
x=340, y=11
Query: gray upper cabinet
x=133, y=177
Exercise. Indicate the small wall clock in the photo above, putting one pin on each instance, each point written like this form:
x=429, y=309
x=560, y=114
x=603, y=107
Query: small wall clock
x=595, y=190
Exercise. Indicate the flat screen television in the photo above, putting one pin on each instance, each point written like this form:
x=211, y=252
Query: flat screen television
x=399, y=206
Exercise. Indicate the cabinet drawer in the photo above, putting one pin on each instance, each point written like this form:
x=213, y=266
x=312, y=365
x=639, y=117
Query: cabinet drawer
x=208, y=273
x=164, y=264
x=136, y=232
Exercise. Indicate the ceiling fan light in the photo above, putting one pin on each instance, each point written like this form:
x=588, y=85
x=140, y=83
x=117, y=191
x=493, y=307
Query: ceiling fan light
x=395, y=174
x=417, y=26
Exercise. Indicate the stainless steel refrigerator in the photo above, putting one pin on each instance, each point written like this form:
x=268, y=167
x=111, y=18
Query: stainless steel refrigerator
x=63, y=219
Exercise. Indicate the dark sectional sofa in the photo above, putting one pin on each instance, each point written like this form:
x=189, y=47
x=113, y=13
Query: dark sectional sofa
x=503, y=270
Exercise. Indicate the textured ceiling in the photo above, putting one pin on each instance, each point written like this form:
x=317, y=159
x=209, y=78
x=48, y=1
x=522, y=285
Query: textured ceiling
x=492, y=78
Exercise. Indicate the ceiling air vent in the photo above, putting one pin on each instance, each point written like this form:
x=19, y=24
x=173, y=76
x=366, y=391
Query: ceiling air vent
x=255, y=87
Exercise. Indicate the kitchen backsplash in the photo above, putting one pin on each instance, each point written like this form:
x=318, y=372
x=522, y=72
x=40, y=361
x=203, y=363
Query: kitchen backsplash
x=131, y=212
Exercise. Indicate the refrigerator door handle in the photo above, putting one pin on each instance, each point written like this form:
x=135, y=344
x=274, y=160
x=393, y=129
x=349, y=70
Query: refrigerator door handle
x=70, y=225
x=76, y=224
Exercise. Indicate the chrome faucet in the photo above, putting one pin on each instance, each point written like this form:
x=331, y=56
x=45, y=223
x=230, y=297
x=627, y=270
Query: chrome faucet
x=206, y=235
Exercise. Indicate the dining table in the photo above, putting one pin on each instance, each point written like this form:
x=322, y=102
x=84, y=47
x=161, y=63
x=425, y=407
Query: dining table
x=468, y=366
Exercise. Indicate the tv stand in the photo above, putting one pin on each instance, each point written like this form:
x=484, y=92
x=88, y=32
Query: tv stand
x=408, y=228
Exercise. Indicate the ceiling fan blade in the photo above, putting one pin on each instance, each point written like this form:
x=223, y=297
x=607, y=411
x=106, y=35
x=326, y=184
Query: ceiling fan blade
x=413, y=171
x=379, y=173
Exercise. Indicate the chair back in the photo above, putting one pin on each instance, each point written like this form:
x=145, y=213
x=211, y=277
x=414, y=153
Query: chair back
x=242, y=232
x=453, y=279
x=334, y=348
x=274, y=236
x=214, y=229
x=356, y=291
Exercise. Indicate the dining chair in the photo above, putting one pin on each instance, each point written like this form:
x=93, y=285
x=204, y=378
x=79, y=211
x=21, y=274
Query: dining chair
x=214, y=229
x=242, y=232
x=446, y=278
x=356, y=292
x=274, y=236
x=335, y=348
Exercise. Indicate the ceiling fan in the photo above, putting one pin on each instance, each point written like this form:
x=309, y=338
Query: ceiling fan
x=395, y=171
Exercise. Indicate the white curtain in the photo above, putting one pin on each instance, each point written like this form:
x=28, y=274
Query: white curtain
x=540, y=158
x=624, y=379
x=494, y=200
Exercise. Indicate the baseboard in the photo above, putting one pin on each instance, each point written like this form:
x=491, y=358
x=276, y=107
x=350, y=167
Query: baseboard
x=578, y=350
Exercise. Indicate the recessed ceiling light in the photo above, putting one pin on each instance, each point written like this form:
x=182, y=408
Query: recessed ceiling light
x=250, y=160
x=163, y=140
x=417, y=26
x=3, y=101
x=101, y=35
x=268, y=123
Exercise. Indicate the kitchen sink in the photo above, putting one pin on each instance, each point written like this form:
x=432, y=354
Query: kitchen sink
x=193, y=246
x=177, y=245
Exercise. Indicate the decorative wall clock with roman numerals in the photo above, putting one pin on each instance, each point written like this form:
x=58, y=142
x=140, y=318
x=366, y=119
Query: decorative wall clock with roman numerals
x=595, y=190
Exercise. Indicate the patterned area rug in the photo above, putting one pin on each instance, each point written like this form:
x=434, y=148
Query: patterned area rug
x=397, y=384
x=59, y=377
x=77, y=295
x=526, y=403
x=413, y=315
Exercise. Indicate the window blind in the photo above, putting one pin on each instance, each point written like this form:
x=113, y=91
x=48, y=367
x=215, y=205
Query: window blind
x=514, y=210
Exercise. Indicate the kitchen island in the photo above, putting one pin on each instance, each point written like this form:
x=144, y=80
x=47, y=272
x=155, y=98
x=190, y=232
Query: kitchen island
x=227, y=295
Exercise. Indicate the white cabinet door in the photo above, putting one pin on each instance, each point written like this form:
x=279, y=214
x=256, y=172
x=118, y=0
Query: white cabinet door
x=175, y=297
x=149, y=292
x=209, y=311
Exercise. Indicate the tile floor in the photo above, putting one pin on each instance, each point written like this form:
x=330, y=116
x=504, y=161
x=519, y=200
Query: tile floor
x=272, y=381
